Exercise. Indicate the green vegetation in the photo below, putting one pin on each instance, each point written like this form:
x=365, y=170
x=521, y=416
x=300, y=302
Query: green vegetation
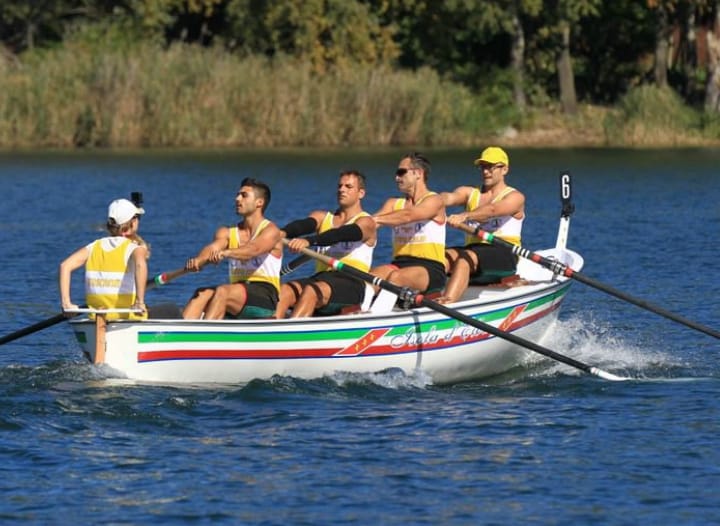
x=226, y=73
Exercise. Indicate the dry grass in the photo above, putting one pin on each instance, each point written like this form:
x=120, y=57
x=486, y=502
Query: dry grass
x=184, y=96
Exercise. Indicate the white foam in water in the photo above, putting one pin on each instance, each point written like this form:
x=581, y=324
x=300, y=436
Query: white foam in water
x=390, y=379
x=598, y=345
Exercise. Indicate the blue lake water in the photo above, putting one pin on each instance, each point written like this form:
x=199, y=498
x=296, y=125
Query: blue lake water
x=540, y=445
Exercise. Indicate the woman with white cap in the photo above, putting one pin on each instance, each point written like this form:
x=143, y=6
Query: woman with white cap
x=115, y=266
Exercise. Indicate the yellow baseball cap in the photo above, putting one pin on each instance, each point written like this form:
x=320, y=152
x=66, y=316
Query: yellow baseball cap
x=493, y=155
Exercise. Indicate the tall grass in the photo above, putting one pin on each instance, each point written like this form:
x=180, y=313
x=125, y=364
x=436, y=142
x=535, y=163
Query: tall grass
x=100, y=91
x=651, y=116
x=190, y=96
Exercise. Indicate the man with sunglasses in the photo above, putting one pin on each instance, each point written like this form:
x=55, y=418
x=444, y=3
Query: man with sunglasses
x=418, y=225
x=499, y=209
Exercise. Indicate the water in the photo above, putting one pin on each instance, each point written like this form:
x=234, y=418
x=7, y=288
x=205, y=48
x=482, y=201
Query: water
x=543, y=444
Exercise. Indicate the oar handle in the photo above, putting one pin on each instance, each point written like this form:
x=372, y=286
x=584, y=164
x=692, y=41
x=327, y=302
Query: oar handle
x=412, y=297
x=165, y=277
x=294, y=264
x=560, y=268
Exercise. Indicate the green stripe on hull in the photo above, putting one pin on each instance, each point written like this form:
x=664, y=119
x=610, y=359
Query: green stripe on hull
x=330, y=334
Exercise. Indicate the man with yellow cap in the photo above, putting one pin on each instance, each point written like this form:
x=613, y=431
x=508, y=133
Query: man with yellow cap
x=499, y=209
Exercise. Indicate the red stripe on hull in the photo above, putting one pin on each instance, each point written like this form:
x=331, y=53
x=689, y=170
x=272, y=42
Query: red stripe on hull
x=467, y=335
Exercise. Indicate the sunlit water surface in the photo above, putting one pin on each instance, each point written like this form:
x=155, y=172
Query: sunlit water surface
x=542, y=444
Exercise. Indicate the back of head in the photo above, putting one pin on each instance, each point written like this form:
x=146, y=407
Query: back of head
x=120, y=213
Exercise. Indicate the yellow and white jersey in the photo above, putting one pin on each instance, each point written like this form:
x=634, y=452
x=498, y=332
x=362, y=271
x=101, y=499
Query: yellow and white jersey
x=357, y=254
x=508, y=228
x=263, y=268
x=420, y=239
x=110, y=276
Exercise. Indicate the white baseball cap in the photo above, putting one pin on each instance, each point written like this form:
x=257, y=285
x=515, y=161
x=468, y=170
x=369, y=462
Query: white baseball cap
x=121, y=211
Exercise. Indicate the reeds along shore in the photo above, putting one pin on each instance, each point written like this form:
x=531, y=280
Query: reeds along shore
x=187, y=96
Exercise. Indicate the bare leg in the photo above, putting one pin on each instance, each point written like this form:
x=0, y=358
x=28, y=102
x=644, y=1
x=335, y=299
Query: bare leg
x=196, y=306
x=382, y=272
x=236, y=299
x=416, y=278
x=313, y=296
x=289, y=293
x=458, y=282
x=216, y=307
x=451, y=256
x=464, y=265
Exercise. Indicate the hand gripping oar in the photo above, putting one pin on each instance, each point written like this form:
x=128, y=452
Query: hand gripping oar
x=562, y=269
x=160, y=279
x=413, y=298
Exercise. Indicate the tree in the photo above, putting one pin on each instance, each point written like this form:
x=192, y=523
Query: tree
x=662, y=39
x=328, y=33
x=23, y=23
x=569, y=13
x=712, y=89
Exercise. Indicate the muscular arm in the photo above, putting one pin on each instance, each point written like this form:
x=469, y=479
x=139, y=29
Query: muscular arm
x=267, y=241
x=458, y=197
x=511, y=205
x=364, y=229
x=220, y=242
x=431, y=208
x=303, y=227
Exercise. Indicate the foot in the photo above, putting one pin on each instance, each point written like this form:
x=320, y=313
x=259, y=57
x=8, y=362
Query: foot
x=445, y=300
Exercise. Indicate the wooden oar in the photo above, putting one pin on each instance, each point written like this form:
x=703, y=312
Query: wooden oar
x=160, y=279
x=413, y=298
x=562, y=269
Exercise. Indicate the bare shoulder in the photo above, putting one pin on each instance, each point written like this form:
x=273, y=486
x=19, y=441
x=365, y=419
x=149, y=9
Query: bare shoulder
x=223, y=232
x=318, y=215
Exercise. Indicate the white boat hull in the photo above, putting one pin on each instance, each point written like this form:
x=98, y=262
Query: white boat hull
x=416, y=340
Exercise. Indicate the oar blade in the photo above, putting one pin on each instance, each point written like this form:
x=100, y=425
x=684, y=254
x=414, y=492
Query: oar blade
x=607, y=376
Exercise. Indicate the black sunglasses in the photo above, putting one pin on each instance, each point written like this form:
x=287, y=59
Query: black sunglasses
x=402, y=171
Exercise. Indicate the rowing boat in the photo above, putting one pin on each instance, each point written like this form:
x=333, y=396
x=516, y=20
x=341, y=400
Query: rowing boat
x=410, y=338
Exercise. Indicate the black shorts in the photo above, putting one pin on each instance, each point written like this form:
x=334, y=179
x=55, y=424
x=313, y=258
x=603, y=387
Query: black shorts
x=344, y=289
x=435, y=270
x=492, y=258
x=262, y=298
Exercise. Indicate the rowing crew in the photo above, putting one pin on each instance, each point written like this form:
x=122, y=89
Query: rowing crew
x=116, y=267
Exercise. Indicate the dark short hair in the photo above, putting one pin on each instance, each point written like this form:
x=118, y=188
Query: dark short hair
x=419, y=161
x=261, y=190
x=358, y=175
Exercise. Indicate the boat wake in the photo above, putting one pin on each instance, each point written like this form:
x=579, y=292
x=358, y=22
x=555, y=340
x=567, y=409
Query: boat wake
x=597, y=344
x=389, y=379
